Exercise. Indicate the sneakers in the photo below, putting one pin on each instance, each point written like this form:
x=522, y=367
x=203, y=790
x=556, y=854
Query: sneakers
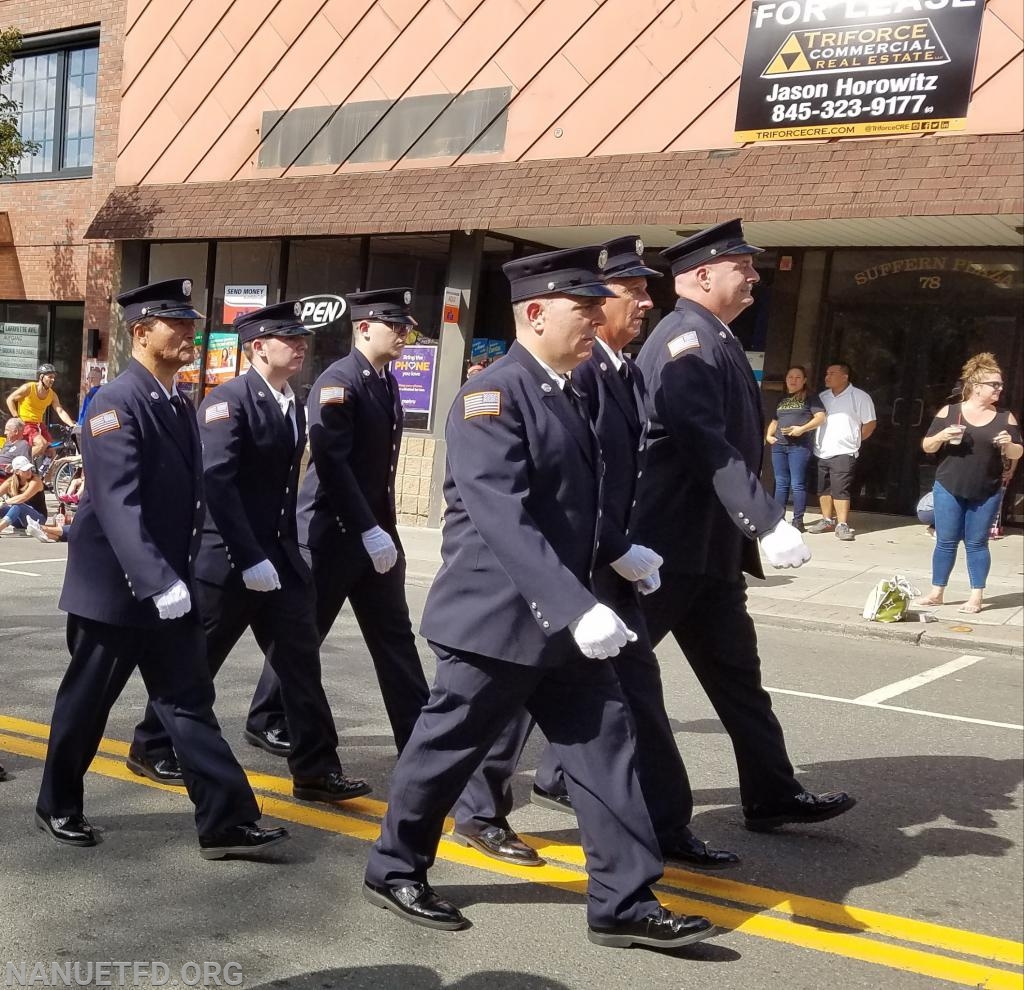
x=822, y=526
x=843, y=532
x=34, y=529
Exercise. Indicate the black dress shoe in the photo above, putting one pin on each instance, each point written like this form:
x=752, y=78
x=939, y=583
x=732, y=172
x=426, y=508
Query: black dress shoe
x=555, y=802
x=331, y=788
x=502, y=844
x=660, y=930
x=418, y=903
x=70, y=830
x=693, y=852
x=804, y=808
x=274, y=741
x=165, y=770
x=240, y=840
x=3, y=772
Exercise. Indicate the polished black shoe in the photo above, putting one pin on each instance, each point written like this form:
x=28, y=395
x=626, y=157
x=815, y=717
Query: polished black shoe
x=70, y=830
x=240, y=840
x=3, y=772
x=331, y=788
x=165, y=770
x=274, y=741
x=697, y=854
x=660, y=930
x=418, y=903
x=500, y=843
x=554, y=802
x=804, y=808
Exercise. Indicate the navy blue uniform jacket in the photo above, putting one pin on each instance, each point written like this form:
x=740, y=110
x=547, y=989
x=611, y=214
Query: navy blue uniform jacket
x=522, y=491
x=701, y=505
x=617, y=412
x=355, y=434
x=137, y=530
x=251, y=469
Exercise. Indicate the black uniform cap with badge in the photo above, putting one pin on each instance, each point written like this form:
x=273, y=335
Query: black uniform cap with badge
x=170, y=300
x=382, y=305
x=283, y=319
x=626, y=259
x=569, y=272
x=710, y=244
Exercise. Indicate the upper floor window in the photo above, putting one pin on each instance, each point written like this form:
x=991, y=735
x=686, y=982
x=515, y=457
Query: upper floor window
x=56, y=90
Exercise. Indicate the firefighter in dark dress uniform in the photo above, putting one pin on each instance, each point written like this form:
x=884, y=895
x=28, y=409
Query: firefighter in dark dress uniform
x=346, y=515
x=514, y=621
x=250, y=572
x=129, y=588
x=702, y=507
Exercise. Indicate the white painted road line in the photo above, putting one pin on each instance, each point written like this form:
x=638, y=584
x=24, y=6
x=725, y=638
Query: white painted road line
x=897, y=708
x=5, y=570
x=39, y=560
x=909, y=683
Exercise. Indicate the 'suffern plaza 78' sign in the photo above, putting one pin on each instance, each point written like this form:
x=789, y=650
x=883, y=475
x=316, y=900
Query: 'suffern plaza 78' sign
x=854, y=68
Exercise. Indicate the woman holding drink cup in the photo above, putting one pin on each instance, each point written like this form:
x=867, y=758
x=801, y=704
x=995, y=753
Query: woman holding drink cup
x=972, y=438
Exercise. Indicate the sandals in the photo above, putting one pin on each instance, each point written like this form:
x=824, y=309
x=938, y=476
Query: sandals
x=971, y=608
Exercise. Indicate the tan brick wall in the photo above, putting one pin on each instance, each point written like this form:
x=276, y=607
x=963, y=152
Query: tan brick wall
x=412, y=480
x=50, y=260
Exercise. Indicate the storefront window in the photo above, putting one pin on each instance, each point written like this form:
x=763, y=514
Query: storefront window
x=24, y=343
x=321, y=273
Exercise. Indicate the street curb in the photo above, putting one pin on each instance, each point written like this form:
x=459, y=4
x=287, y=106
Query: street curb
x=910, y=633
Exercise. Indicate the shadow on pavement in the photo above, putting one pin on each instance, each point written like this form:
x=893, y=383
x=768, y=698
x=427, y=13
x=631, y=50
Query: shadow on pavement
x=409, y=978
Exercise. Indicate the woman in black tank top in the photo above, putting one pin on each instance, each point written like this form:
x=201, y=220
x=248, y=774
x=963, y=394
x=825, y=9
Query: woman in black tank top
x=972, y=439
x=26, y=498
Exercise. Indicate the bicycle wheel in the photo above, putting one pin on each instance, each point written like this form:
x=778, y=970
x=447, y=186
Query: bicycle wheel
x=62, y=477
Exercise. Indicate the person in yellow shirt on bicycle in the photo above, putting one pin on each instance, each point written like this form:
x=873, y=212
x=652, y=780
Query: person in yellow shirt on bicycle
x=29, y=403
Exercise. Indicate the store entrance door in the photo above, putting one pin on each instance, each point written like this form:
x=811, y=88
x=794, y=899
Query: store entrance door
x=906, y=342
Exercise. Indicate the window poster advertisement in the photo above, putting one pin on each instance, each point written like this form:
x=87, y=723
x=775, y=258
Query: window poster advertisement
x=857, y=68
x=19, y=350
x=414, y=372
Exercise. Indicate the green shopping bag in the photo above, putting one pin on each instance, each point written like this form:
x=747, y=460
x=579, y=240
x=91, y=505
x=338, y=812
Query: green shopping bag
x=889, y=599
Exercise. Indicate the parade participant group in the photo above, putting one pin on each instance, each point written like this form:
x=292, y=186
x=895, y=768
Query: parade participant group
x=593, y=505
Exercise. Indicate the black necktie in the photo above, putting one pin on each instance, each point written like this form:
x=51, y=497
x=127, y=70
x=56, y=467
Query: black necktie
x=181, y=418
x=576, y=400
x=624, y=373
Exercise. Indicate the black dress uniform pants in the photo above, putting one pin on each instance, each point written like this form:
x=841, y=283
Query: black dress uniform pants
x=283, y=624
x=580, y=709
x=172, y=661
x=488, y=799
x=380, y=607
x=708, y=618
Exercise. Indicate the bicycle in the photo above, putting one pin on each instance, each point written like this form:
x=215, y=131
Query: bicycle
x=60, y=460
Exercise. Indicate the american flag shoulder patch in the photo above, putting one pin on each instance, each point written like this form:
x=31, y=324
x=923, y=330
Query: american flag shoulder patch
x=104, y=423
x=331, y=394
x=481, y=404
x=219, y=410
x=684, y=342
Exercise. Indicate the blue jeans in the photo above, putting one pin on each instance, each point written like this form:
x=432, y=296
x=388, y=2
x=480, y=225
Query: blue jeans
x=790, y=466
x=962, y=520
x=19, y=515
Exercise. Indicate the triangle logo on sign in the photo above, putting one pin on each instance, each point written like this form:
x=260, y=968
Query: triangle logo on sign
x=789, y=59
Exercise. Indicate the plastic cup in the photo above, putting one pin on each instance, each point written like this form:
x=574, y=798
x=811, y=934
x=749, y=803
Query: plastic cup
x=955, y=441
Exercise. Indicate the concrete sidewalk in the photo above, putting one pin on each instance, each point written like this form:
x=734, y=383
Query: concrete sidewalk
x=829, y=592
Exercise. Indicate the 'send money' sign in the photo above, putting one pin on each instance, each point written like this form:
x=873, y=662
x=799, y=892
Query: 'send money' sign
x=857, y=68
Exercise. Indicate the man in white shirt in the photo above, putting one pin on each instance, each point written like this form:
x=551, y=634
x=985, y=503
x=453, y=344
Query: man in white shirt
x=850, y=420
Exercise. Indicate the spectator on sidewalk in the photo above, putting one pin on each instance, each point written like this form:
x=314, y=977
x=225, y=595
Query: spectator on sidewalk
x=25, y=496
x=15, y=445
x=850, y=420
x=94, y=378
x=972, y=438
x=29, y=403
x=790, y=435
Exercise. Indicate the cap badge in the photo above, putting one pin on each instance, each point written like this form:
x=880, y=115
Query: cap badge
x=639, y=246
x=714, y=250
x=551, y=285
x=186, y=287
x=297, y=309
x=145, y=310
x=602, y=259
x=407, y=297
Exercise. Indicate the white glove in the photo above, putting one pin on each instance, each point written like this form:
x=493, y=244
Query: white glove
x=174, y=602
x=600, y=633
x=381, y=548
x=637, y=563
x=649, y=584
x=784, y=546
x=261, y=577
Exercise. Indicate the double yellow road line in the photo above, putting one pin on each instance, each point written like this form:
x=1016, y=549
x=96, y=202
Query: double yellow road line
x=937, y=951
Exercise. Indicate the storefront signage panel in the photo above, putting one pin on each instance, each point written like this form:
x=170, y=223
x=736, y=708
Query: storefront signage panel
x=19, y=350
x=857, y=68
x=414, y=372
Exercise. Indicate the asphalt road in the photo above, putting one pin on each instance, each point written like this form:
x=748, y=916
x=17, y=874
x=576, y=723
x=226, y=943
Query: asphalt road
x=920, y=884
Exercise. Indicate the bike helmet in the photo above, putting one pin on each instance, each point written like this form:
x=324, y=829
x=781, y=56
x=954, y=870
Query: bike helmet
x=45, y=369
